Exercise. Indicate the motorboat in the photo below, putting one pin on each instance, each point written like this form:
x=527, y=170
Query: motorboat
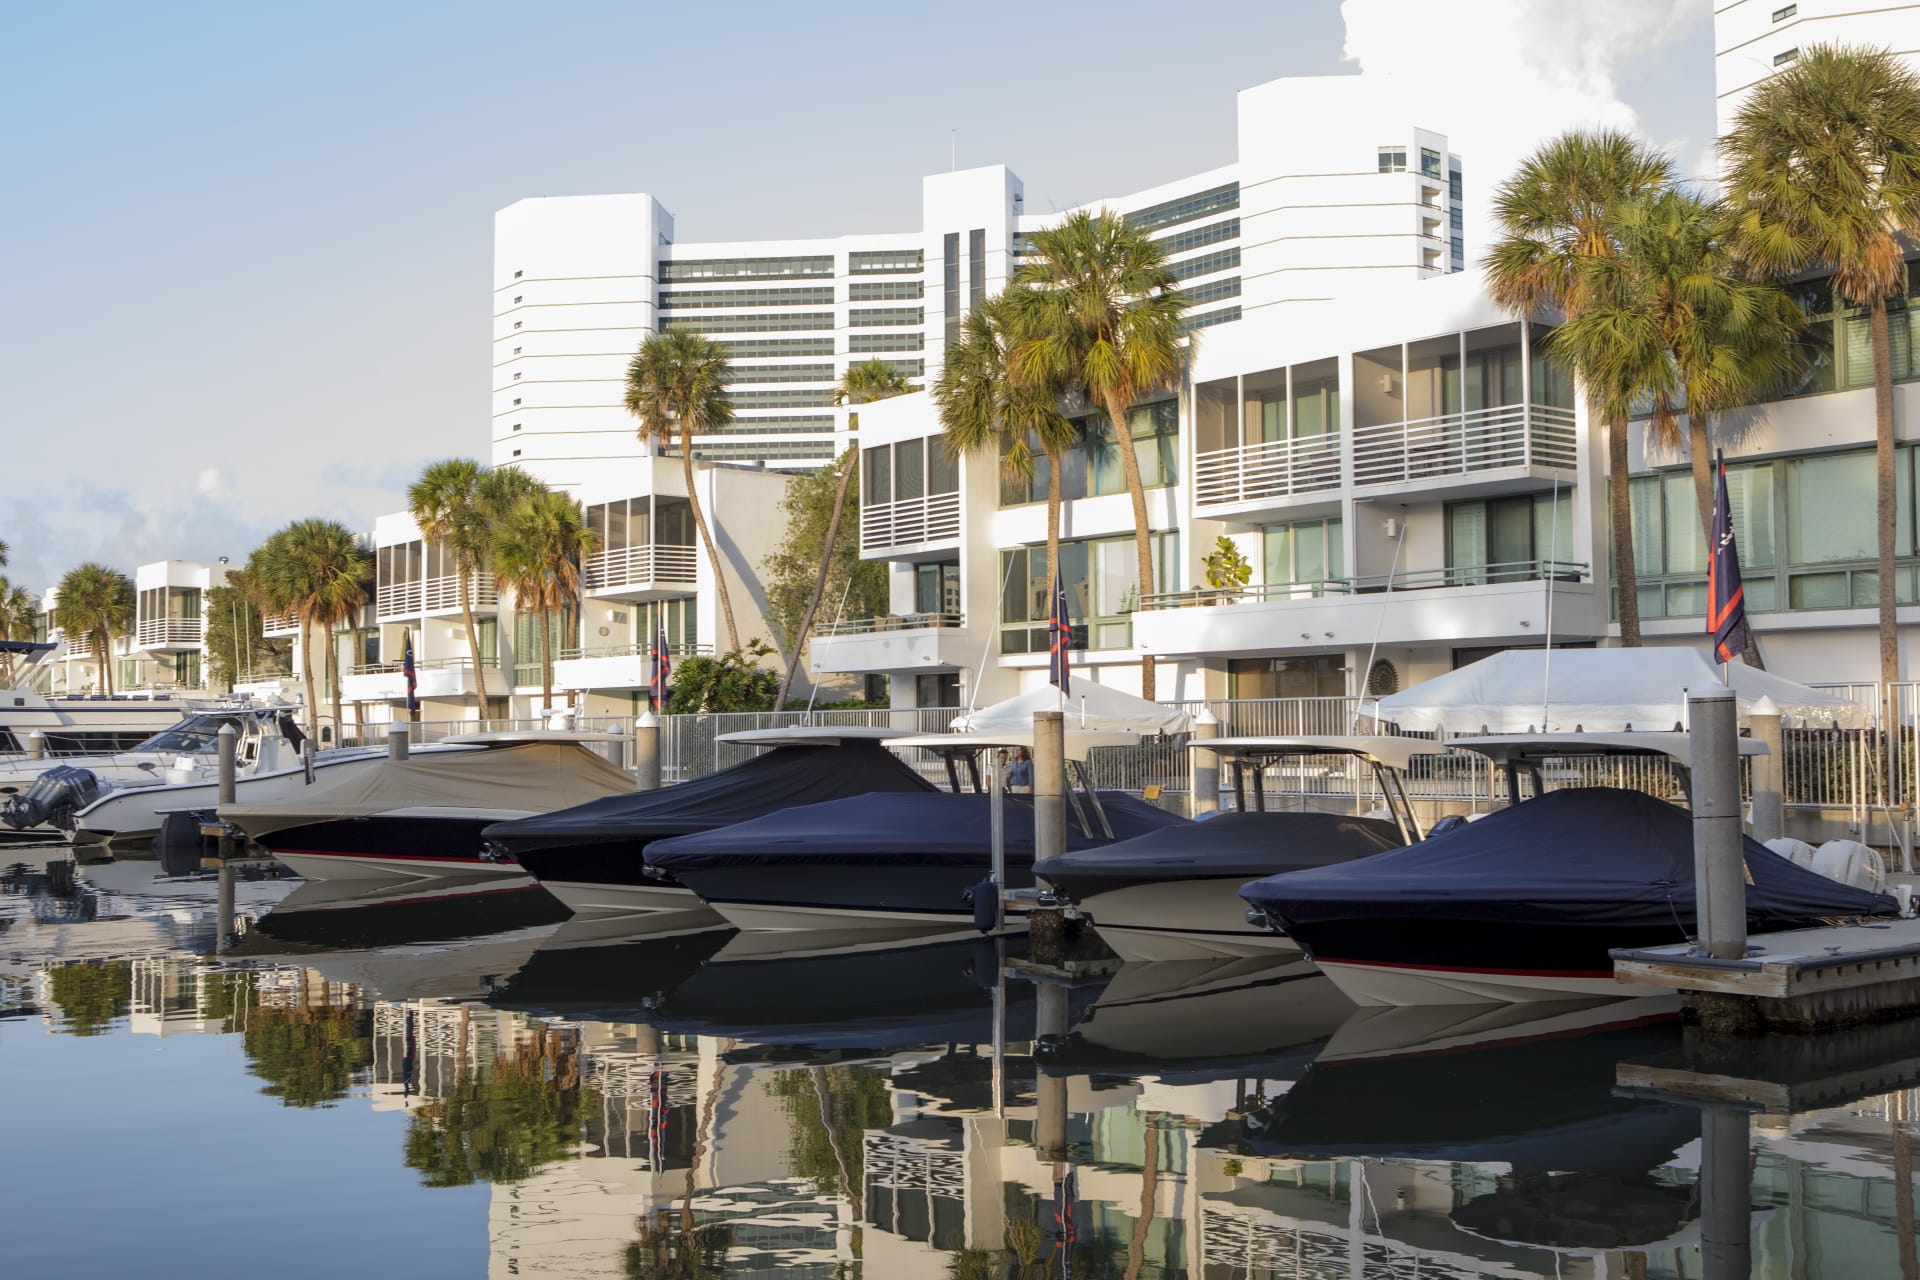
x=1527, y=902
x=592, y=856
x=882, y=863
x=267, y=768
x=41, y=796
x=423, y=815
x=1174, y=894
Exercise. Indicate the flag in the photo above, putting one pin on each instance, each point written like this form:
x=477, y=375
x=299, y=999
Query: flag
x=1065, y=1222
x=1726, y=598
x=1059, y=636
x=413, y=680
x=662, y=669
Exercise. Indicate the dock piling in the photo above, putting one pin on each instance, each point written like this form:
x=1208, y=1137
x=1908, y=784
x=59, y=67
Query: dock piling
x=227, y=749
x=1719, y=874
x=646, y=752
x=1764, y=723
x=1049, y=784
x=1203, y=766
x=397, y=740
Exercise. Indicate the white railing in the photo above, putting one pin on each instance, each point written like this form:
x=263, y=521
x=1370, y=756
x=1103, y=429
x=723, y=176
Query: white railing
x=642, y=564
x=280, y=624
x=890, y=622
x=1270, y=469
x=675, y=649
x=910, y=522
x=431, y=595
x=1457, y=444
x=153, y=631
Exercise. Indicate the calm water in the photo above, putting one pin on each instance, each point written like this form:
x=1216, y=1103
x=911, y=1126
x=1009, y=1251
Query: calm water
x=466, y=1084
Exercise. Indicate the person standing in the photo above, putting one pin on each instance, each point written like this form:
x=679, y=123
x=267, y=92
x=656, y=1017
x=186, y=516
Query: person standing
x=1020, y=773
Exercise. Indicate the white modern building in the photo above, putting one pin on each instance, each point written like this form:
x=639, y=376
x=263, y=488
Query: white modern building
x=1754, y=38
x=165, y=648
x=1302, y=215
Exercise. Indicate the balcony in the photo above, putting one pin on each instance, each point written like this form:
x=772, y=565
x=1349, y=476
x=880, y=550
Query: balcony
x=909, y=642
x=437, y=678
x=644, y=571
x=280, y=624
x=1485, y=604
x=911, y=524
x=619, y=667
x=430, y=595
x=1475, y=446
x=168, y=633
x=1267, y=472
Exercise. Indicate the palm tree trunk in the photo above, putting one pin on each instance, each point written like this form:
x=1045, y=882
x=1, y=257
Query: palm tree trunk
x=850, y=462
x=306, y=675
x=333, y=678
x=1699, y=446
x=1884, y=462
x=1149, y=1176
x=1142, y=537
x=105, y=642
x=706, y=539
x=1053, y=514
x=546, y=658
x=1619, y=498
x=462, y=580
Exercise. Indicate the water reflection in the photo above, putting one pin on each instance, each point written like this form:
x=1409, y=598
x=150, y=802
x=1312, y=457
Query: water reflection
x=700, y=1103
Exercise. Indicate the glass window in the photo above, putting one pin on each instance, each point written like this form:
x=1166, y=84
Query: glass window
x=1504, y=539
x=614, y=536
x=1316, y=400
x=1686, y=541
x=1429, y=162
x=943, y=469
x=876, y=477
x=909, y=470
x=1306, y=552
x=1393, y=159
x=936, y=588
x=1831, y=508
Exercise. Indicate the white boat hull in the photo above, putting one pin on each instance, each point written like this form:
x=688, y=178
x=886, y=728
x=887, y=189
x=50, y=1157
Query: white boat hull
x=1181, y=920
x=1376, y=985
x=357, y=866
x=139, y=813
x=587, y=899
x=758, y=917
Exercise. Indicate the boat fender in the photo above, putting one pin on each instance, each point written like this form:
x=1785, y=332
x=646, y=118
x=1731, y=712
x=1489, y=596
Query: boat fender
x=981, y=897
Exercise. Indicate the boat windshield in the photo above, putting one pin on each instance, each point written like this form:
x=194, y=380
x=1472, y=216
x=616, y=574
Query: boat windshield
x=196, y=735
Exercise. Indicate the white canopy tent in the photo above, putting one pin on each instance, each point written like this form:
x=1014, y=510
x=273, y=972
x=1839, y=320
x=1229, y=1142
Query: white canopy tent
x=1595, y=690
x=1090, y=708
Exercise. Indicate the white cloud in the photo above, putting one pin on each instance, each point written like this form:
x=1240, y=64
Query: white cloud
x=213, y=483
x=1499, y=76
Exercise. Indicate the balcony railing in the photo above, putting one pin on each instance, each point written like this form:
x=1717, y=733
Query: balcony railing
x=279, y=624
x=431, y=664
x=890, y=622
x=642, y=564
x=1270, y=469
x=431, y=595
x=1408, y=580
x=1458, y=444
x=910, y=522
x=633, y=651
x=158, y=631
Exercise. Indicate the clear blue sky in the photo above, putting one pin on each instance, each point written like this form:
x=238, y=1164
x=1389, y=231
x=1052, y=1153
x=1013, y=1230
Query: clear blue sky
x=250, y=244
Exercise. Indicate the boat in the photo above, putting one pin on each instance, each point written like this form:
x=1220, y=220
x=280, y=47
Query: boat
x=882, y=863
x=423, y=815
x=1174, y=894
x=592, y=856
x=1527, y=902
x=45, y=795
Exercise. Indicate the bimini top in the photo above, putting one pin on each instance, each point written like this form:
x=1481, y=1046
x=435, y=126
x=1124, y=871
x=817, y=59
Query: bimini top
x=1238, y=846
x=779, y=779
x=1601, y=690
x=1090, y=707
x=936, y=829
x=1585, y=856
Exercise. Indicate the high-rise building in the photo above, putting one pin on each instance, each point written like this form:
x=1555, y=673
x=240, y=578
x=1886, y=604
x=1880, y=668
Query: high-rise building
x=1754, y=38
x=1302, y=215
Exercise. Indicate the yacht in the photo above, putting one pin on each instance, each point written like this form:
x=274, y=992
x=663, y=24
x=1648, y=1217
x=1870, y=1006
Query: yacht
x=1174, y=894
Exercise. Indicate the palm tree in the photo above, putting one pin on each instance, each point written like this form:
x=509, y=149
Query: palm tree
x=862, y=383
x=1099, y=311
x=319, y=571
x=1555, y=215
x=17, y=608
x=96, y=602
x=984, y=410
x=1677, y=301
x=1823, y=172
x=537, y=551
x=444, y=503
x=677, y=388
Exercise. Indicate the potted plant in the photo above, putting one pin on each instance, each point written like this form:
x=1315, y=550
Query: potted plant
x=1227, y=571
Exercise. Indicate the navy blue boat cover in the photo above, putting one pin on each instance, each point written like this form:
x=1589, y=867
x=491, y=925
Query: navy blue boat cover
x=1231, y=846
x=775, y=780
x=1591, y=855
x=940, y=829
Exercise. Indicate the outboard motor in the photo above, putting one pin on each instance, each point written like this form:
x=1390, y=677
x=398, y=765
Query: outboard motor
x=54, y=798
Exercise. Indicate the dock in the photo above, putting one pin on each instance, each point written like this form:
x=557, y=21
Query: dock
x=1794, y=980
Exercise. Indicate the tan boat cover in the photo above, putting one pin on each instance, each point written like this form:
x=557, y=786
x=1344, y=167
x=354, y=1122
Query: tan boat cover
x=534, y=777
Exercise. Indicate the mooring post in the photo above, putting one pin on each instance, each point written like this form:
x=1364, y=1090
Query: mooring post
x=997, y=841
x=226, y=756
x=1726, y=1194
x=397, y=740
x=646, y=752
x=308, y=750
x=1050, y=1126
x=1719, y=871
x=227, y=753
x=1049, y=784
x=36, y=745
x=1769, y=812
x=1203, y=766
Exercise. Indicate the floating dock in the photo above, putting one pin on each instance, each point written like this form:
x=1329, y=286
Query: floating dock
x=1795, y=980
